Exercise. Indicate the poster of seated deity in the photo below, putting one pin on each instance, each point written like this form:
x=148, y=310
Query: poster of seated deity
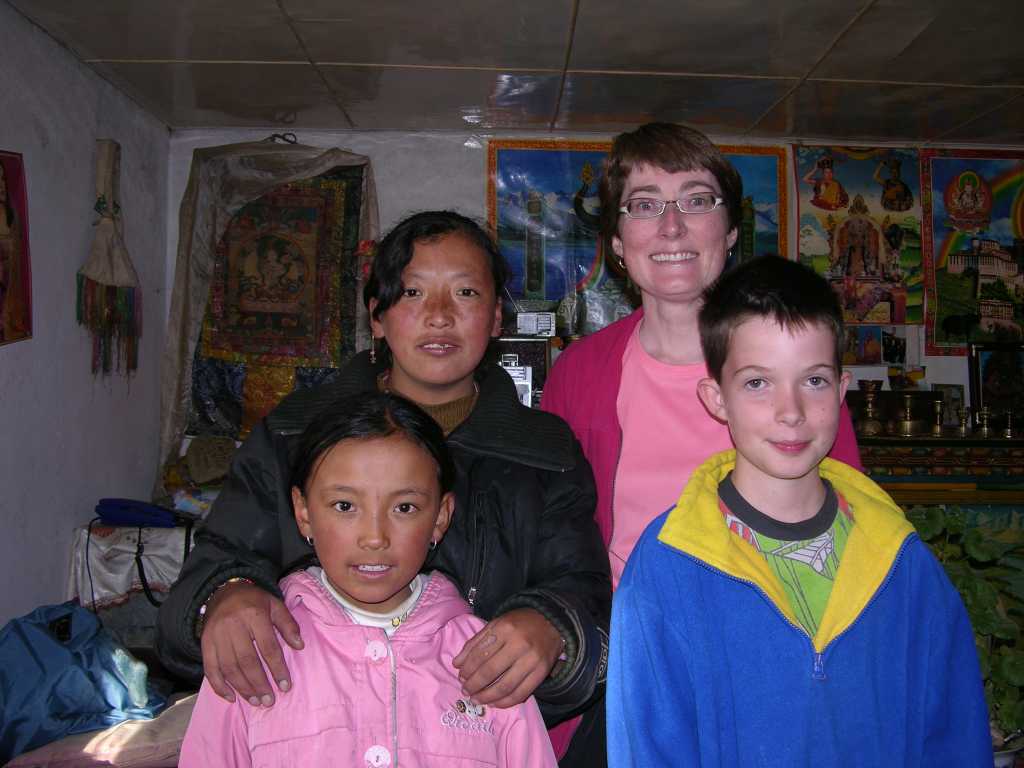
x=974, y=248
x=859, y=211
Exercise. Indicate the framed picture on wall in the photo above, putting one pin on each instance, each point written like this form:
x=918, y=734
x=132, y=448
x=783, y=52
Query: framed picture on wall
x=997, y=381
x=15, y=269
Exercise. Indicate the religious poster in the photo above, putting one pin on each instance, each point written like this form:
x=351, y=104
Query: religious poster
x=15, y=268
x=283, y=302
x=543, y=206
x=974, y=247
x=860, y=227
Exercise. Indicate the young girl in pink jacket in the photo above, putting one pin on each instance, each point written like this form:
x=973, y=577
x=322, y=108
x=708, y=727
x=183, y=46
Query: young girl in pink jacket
x=374, y=685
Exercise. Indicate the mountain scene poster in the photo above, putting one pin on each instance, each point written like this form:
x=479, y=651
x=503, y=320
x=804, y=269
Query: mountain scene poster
x=544, y=209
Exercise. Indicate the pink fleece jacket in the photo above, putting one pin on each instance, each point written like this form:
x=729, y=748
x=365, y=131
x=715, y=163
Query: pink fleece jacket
x=583, y=388
x=363, y=699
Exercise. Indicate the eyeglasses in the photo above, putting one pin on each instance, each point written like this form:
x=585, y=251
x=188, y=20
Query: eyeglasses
x=650, y=208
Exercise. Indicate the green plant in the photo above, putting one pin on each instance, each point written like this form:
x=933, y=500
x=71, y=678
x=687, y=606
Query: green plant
x=987, y=568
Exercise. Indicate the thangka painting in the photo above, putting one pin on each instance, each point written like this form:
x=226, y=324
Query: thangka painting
x=974, y=247
x=283, y=302
x=543, y=207
x=15, y=268
x=860, y=227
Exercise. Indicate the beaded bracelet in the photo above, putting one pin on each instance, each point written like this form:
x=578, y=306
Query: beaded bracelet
x=206, y=603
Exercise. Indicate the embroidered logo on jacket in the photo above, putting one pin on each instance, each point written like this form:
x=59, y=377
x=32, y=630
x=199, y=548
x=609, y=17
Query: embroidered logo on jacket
x=466, y=716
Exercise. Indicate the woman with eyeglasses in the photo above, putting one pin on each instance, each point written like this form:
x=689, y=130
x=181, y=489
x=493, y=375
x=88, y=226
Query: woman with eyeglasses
x=670, y=212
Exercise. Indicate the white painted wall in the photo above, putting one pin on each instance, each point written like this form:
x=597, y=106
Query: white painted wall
x=417, y=171
x=66, y=437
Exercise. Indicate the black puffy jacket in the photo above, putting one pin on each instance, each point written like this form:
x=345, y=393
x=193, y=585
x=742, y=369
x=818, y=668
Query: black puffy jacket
x=523, y=532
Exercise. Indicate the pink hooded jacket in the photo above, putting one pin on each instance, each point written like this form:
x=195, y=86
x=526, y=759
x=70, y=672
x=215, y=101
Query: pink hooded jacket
x=360, y=698
x=583, y=388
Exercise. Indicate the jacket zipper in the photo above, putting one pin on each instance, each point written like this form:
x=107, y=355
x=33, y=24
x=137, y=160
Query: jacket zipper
x=817, y=658
x=479, y=550
x=394, y=701
x=872, y=599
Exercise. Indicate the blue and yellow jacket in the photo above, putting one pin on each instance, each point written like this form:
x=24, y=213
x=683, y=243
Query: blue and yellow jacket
x=709, y=666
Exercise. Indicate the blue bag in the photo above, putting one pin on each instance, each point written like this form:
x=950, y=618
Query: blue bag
x=132, y=512
x=62, y=673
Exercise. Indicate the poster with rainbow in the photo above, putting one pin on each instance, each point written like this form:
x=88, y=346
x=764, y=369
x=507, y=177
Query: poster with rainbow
x=973, y=247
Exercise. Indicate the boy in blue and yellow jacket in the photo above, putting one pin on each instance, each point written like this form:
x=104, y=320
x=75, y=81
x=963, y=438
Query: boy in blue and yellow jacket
x=784, y=613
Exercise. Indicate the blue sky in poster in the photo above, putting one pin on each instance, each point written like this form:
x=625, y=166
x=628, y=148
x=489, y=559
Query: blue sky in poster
x=569, y=248
x=550, y=170
x=760, y=179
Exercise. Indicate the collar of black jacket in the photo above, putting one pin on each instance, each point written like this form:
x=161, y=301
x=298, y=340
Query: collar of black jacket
x=499, y=426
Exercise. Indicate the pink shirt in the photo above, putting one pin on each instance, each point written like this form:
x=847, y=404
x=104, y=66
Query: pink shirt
x=367, y=700
x=666, y=434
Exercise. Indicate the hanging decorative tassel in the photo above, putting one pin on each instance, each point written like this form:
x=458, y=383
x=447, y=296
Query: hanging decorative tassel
x=109, y=295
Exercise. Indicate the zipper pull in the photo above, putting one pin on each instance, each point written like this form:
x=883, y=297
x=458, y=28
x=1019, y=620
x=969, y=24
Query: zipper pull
x=471, y=596
x=819, y=666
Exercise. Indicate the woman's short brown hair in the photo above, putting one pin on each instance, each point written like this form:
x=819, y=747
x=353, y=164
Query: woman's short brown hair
x=673, y=148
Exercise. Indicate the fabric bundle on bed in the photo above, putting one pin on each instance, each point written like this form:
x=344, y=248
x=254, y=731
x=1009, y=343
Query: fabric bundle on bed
x=62, y=673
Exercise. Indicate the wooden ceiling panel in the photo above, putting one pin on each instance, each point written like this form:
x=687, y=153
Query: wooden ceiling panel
x=466, y=33
x=226, y=30
x=211, y=95
x=438, y=99
x=1003, y=125
x=729, y=37
x=717, y=105
x=870, y=111
x=900, y=70
x=943, y=41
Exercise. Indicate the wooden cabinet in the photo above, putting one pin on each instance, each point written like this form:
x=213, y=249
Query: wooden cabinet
x=946, y=470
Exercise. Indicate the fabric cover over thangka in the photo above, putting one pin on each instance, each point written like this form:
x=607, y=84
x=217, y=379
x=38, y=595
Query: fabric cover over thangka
x=266, y=285
x=283, y=302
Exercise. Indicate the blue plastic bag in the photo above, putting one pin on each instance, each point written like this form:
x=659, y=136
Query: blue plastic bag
x=62, y=673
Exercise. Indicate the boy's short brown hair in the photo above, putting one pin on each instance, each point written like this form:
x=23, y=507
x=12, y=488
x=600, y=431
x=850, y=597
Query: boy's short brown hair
x=769, y=286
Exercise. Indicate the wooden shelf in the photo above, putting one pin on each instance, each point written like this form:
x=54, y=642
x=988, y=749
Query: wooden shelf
x=946, y=470
x=939, y=494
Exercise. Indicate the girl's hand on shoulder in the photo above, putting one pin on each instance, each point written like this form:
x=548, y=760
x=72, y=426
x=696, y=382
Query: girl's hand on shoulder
x=504, y=662
x=240, y=629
